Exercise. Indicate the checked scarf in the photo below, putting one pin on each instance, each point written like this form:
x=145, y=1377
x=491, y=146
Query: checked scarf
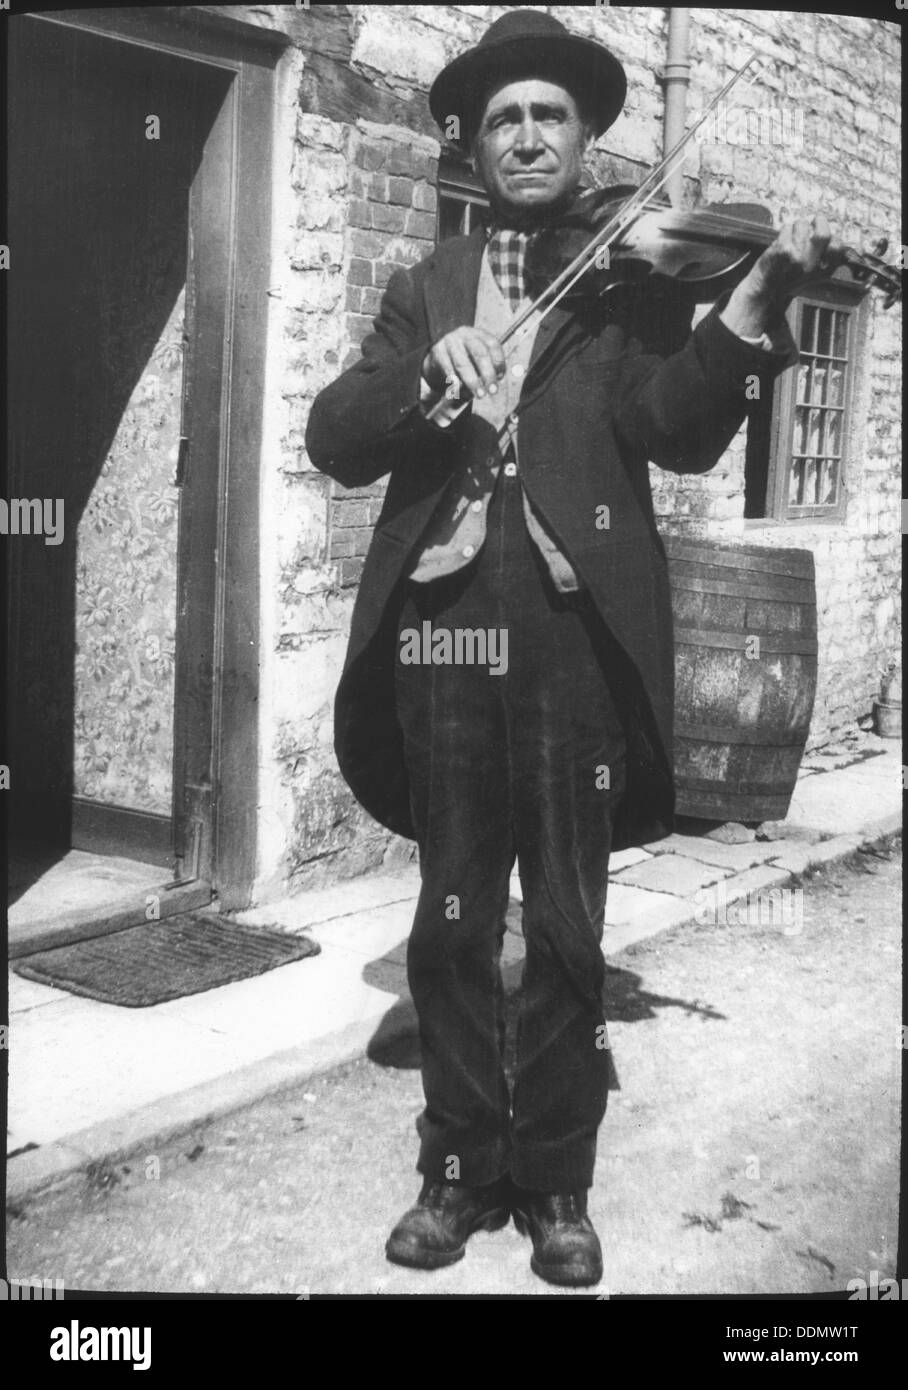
x=507, y=249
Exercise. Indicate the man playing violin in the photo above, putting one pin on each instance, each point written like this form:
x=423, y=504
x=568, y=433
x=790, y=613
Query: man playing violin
x=529, y=513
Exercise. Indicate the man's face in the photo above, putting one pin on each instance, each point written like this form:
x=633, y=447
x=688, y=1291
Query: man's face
x=529, y=147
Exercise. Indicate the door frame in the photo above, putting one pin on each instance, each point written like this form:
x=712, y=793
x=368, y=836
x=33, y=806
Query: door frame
x=215, y=773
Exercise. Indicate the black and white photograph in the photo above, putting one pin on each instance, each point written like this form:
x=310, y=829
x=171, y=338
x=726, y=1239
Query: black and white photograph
x=452, y=775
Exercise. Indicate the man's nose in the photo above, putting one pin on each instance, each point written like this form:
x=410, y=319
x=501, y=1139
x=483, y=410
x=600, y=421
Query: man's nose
x=528, y=139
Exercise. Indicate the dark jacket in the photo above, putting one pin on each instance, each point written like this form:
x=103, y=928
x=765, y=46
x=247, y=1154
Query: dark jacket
x=601, y=398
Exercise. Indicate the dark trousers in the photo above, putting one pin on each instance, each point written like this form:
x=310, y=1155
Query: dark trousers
x=525, y=765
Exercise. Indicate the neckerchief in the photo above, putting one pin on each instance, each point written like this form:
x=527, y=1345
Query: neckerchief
x=507, y=250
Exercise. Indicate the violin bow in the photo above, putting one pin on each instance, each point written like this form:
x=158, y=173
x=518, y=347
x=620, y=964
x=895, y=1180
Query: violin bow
x=610, y=231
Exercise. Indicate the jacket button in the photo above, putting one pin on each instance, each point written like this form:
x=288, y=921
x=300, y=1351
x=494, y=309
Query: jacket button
x=469, y=550
x=510, y=469
x=476, y=506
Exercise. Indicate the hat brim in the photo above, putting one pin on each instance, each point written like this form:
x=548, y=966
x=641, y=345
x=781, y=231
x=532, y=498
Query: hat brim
x=581, y=66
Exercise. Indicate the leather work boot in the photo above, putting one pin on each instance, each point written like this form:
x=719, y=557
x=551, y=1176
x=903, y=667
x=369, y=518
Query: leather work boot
x=434, y=1232
x=566, y=1249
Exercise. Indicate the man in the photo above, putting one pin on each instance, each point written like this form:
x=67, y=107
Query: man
x=527, y=515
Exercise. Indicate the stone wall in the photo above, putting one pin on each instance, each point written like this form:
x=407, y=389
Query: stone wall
x=355, y=165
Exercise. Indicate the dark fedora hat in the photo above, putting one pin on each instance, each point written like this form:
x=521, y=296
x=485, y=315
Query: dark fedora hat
x=528, y=43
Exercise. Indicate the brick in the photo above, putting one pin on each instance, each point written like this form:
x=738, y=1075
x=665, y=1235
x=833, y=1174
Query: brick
x=341, y=548
x=371, y=301
x=351, y=572
x=400, y=191
x=354, y=298
x=387, y=218
x=421, y=224
x=368, y=245
x=425, y=198
x=345, y=512
x=402, y=160
x=360, y=272
x=359, y=213
x=362, y=539
x=371, y=155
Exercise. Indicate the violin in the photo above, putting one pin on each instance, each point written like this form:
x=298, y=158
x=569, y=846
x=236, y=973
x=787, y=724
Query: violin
x=705, y=251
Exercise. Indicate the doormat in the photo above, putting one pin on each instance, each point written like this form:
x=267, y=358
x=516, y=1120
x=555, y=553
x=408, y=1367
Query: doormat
x=168, y=959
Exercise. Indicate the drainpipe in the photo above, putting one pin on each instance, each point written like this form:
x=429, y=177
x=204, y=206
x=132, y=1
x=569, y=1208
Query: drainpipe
x=677, y=79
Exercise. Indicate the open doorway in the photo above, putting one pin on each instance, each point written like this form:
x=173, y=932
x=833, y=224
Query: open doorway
x=124, y=224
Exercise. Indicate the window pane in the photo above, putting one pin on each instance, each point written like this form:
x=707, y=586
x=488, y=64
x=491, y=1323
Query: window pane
x=796, y=483
x=804, y=382
x=830, y=483
x=824, y=332
x=800, y=430
x=450, y=216
x=814, y=432
x=834, y=432
x=808, y=328
x=840, y=336
x=479, y=215
x=811, y=481
x=820, y=372
x=835, y=386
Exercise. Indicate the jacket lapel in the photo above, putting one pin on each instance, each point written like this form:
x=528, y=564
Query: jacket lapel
x=451, y=284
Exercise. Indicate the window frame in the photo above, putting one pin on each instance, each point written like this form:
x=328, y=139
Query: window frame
x=851, y=298
x=457, y=182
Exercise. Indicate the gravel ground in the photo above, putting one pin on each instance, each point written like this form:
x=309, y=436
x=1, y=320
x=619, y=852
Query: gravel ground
x=750, y=1145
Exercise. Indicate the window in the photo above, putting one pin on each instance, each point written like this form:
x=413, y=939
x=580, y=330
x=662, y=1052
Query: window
x=797, y=445
x=462, y=204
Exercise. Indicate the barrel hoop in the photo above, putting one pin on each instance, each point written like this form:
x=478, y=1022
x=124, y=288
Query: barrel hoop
x=771, y=643
x=751, y=738
x=796, y=564
x=717, y=785
x=804, y=594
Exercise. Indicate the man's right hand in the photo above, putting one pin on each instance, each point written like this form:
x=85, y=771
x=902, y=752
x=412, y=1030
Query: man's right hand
x=466, y=358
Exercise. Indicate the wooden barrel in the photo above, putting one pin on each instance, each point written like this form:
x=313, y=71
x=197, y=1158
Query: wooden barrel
x=745, y=621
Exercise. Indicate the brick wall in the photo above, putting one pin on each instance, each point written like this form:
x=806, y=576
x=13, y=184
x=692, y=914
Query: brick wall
x=355, y=168
x=391, y=219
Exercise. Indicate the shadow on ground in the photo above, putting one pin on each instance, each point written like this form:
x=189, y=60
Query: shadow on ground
x=395, y=1043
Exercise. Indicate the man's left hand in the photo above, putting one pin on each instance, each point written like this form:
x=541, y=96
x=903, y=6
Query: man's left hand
x=799, y=252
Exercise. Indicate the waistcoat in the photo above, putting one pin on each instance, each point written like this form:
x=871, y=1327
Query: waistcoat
x=458, y=529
